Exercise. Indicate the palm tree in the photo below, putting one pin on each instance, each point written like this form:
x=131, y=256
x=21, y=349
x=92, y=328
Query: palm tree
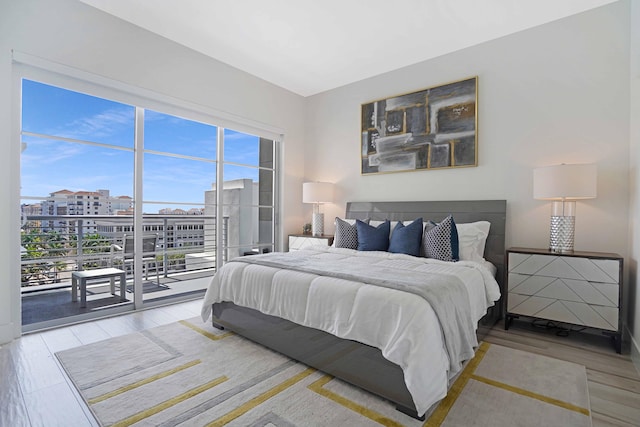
x=49, y=247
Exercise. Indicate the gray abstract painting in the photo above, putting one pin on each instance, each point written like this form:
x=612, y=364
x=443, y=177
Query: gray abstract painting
x=432, y=128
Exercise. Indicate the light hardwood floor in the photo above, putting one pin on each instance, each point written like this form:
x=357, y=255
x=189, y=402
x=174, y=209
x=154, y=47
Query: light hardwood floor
x=34, y=391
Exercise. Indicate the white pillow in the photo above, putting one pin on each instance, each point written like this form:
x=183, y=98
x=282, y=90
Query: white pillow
x=472, y=238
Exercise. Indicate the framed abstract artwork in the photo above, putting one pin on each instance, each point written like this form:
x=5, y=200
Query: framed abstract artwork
x=432, y=128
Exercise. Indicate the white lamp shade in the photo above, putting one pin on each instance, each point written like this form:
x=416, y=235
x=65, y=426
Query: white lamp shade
x=561, y=182
x=317, y=192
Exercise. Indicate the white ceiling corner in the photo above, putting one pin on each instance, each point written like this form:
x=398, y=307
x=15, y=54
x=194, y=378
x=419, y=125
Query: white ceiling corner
x=310, y=46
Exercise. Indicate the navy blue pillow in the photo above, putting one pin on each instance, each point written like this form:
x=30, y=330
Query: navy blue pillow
x=372, y=238
x=406, y=239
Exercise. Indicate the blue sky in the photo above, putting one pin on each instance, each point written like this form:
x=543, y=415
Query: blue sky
x=49, y=165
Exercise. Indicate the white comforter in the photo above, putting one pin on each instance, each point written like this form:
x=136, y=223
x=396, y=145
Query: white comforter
x=402, y=325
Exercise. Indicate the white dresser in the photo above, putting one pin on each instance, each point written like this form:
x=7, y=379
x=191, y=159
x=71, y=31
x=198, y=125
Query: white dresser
x=307, y=241
x=580, y=288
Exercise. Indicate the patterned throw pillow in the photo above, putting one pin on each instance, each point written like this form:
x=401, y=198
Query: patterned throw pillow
x=440, y=241
x=346, y=233
x=406, y=239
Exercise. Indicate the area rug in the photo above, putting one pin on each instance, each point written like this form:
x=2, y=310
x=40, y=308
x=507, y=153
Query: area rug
x=190, y=374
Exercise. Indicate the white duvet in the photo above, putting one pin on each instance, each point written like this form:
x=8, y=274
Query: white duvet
x=402, y=325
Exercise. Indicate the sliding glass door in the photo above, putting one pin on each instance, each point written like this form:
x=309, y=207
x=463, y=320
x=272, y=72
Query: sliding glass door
x=165, y=198
x=180, y=164
x=248, y=199
x=77, y=169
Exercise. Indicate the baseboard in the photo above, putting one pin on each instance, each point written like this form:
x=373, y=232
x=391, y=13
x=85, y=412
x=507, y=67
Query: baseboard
x=6, y=333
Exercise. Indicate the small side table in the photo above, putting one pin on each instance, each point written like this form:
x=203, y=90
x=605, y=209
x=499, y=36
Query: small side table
x=101, y=273
x=308, y=241
x=577, y=288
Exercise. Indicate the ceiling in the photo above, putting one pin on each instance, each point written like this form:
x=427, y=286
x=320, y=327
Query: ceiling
x=310, y=46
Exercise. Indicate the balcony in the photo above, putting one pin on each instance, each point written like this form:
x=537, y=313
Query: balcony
x=180, y=263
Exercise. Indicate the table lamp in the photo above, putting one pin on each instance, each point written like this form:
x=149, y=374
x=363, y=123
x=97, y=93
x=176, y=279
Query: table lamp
x=564, y=184
x=317, y=193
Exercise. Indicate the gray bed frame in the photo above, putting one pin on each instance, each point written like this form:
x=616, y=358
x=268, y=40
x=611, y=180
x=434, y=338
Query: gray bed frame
x=353, y=362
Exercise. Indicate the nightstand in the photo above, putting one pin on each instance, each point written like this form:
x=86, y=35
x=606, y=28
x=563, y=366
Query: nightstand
x=307, y=241
x=578, y=288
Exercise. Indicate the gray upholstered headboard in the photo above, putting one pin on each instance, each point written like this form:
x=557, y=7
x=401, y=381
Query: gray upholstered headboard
x=494, y=211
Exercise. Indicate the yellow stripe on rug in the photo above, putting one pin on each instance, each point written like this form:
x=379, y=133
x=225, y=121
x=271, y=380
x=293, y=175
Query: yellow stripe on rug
x=169, y=403
x=205, y=333
x=143, y=382
x=532, y=395
x=441, y=412
x=369, y=413
x=243, y=409
x=437, y=418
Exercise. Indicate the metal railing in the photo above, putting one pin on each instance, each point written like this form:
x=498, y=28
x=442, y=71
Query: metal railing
x=53, y=246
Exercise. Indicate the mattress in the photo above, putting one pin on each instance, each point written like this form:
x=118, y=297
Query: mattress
x=403, y=325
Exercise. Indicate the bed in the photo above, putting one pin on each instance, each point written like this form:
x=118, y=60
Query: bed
x=412, y=378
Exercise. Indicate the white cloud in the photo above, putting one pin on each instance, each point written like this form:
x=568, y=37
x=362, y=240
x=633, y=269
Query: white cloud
x=101, y=125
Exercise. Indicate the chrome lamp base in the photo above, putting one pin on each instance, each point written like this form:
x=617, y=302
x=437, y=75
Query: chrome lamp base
x=563, y=222
x=317, y=224
x=562, y=233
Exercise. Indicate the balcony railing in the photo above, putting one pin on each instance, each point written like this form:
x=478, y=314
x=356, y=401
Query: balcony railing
x=53, y=246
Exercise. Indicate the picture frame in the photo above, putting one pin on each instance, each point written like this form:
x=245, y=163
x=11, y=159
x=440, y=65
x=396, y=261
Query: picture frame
x=433, y=128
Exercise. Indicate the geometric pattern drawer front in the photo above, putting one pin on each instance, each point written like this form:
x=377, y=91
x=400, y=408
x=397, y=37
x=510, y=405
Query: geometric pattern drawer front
x=528, y=285
x=545, y=308
x=589, y=316
x=610, y=291
x=595, y=270
x=560, y=290
x=592, y=270
x=527, y=264
x=610, y=314
x=604, y=294
x=297, y=243
x=558, y=267
x=574, y=312
x=559, y=312
x=527, y=305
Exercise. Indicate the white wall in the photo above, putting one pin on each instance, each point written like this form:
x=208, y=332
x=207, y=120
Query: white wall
x=634, y=180
x=558, y=93
x=77, y=35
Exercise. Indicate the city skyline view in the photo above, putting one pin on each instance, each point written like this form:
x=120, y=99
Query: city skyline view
x=95, y=150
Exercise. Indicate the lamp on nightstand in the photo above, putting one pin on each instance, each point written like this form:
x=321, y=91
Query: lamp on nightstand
x=317, y=193
x=564, y=184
